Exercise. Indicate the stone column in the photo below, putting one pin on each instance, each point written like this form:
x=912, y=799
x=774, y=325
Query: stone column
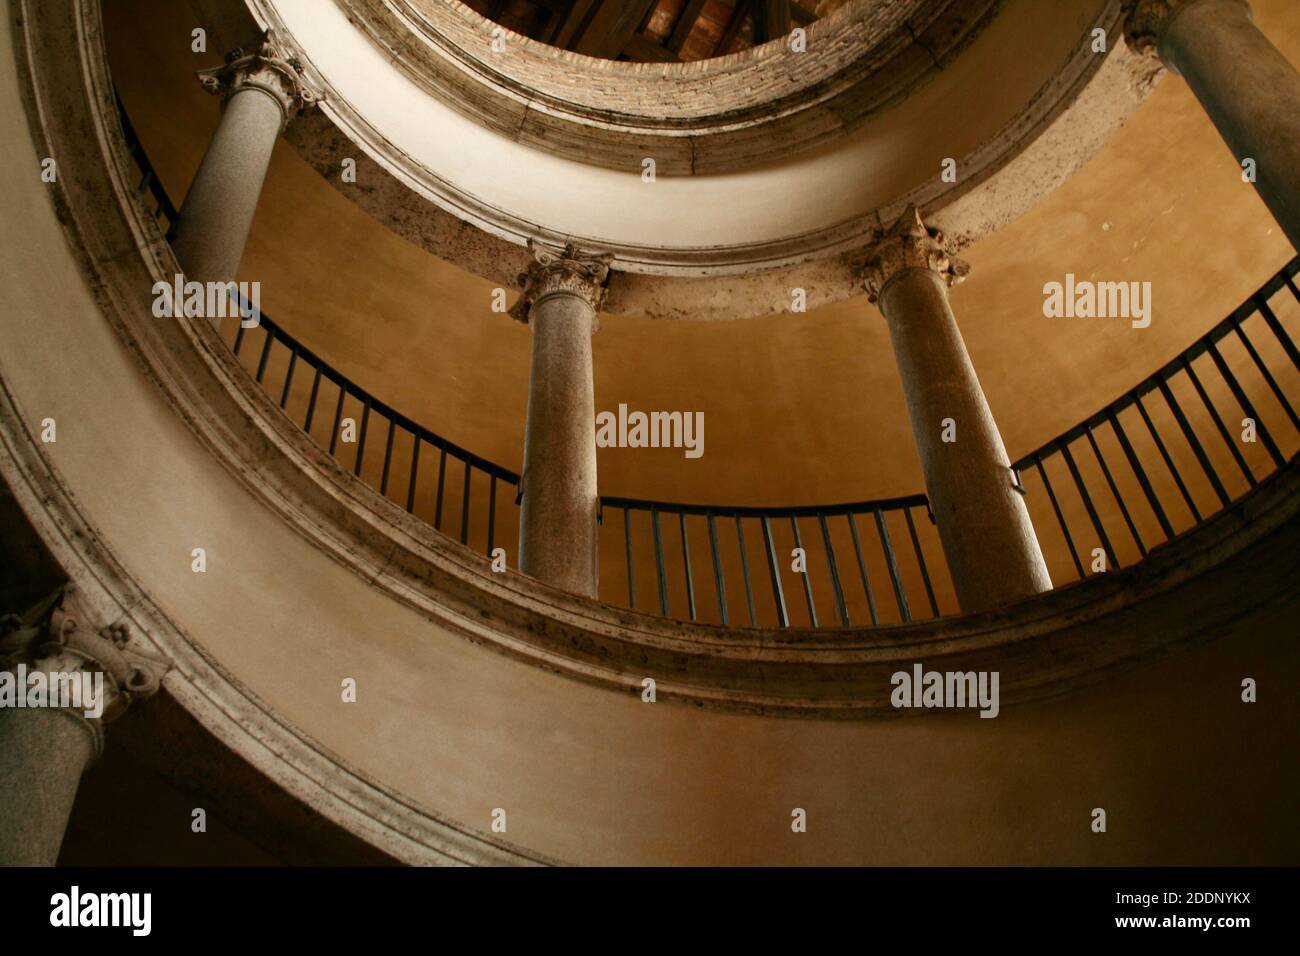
x=557, y=527
x=1250, y=91
x=261, y=93
x=988, y=540
x=45, y=748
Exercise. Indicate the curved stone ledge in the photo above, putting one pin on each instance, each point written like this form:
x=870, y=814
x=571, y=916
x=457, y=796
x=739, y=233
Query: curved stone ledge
x=678, y=275
x=58, y=40
x=185, y=391
x=763, y=104
x=1045, y=646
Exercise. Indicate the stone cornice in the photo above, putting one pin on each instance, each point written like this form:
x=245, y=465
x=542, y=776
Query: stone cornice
x=687, y=276
x=1043, y=646
x=73, y=91
x=270, y=70
x=567, y=272
x=910, y=244
x=762, y=104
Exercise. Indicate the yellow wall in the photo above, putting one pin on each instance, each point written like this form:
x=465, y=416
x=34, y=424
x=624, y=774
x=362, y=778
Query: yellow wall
x=1186, y=772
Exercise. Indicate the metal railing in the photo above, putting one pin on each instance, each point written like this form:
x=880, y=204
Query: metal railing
x=1175, y=431
x=734, y=546
x=164, y=213
x=764, y=524
x=397, y=474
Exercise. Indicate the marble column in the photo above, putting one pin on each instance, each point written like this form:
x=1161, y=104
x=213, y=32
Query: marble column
x=1250, y=91
x=261, y=93
x=557, y=529
x=45, y=748
x=993, y=555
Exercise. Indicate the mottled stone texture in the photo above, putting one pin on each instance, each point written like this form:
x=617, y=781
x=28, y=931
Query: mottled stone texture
x=1250, y=91
x=993, y=554
x=43, y=752
x=761, y=105
x=218, y=210
x=557, y=527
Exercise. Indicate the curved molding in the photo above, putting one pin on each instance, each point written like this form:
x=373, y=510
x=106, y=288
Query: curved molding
x=1044, y=646
x=691, y=265
x=72, y=114
x=221, y=703
x=763, y=104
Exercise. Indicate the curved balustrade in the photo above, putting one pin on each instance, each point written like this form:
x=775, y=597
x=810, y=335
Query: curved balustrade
x=1176, y=438
x=654, y=554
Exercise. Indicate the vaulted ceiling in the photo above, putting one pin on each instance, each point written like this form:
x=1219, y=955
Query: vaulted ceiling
x=660, y=31
x=802, y=407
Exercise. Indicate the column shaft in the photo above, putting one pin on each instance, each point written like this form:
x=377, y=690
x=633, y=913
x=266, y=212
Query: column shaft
x=1251, y=93
x=47, y=743
x=43, y=752
x=557, y=536
x=992, y=552
x=261, y=92
x=218, y=210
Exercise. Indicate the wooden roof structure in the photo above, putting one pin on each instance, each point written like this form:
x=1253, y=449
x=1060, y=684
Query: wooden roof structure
x=662, y=31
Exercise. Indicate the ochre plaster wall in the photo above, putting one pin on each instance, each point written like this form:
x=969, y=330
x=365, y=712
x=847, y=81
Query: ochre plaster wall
x=1187, y=773
x=800, y=408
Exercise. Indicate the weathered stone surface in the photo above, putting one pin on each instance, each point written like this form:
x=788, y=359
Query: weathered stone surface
x=910, y=244
x=262, y=93
x=455, y=726
x=568, y=272
x=557, y=521
x=764, y=103
x=270, y=70
x=677, y=277
x=44, y=750
x=988, y=540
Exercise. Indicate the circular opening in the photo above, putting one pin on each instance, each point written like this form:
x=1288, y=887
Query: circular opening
x=654, y=31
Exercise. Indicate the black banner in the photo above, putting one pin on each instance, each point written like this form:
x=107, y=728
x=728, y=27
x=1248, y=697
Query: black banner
x=645, y=907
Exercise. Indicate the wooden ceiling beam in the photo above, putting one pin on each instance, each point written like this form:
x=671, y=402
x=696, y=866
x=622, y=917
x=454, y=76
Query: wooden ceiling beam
x=738, y=15
x=645, y=49
x=612, y=27
x=685, y=24
x=773, y=20
x=567, y=27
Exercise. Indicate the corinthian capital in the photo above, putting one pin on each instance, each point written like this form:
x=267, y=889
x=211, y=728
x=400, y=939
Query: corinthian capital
x=569, y=272
x=62, y=635
x=1145, y=21
x=909, y=244
x=271, y=70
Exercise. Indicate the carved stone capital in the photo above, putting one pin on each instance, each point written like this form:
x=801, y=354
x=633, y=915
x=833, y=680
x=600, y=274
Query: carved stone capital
x=272, y=70
x=1145, y=21
x=909, y=244
x=62, y=635
x=569, y=272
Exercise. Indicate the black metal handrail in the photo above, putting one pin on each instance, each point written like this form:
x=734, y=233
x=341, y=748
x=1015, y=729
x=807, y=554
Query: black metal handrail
x=296, y=353
x=1159, y=454
x=876, y=511
x=864, y=528
x=163, y=210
